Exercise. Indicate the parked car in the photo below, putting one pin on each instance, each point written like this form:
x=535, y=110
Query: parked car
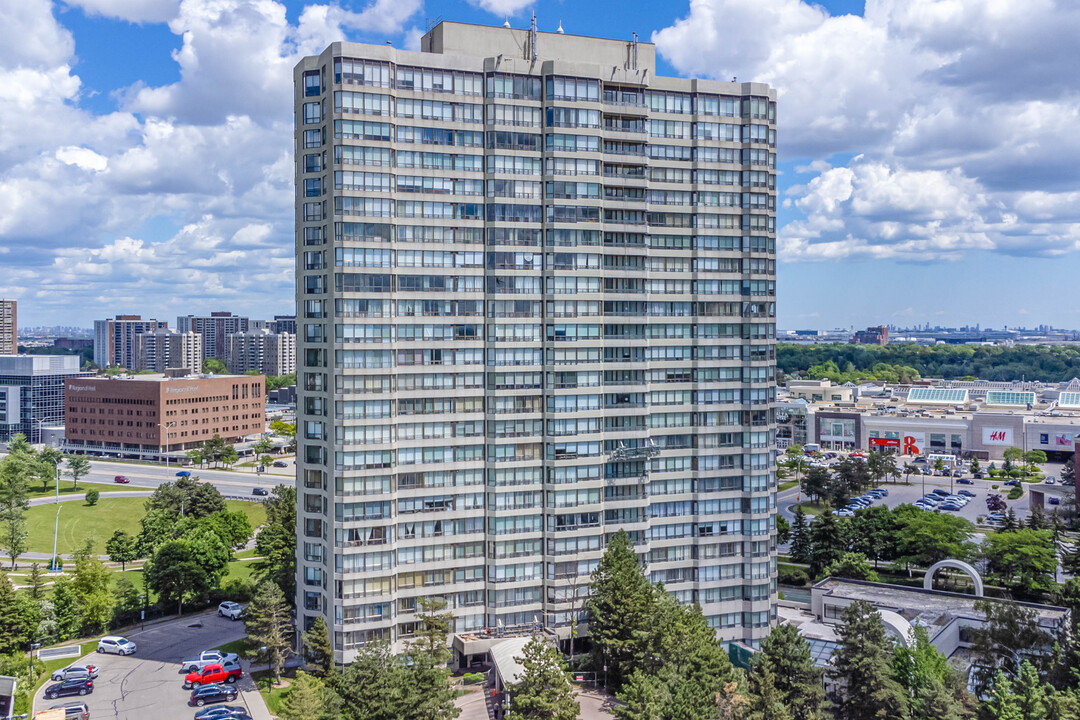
x=71, y=671
x=958, y=473
x=951, y=507
x=259, y=491
x=919, y=461
x=121, y=479
x=940, y=491
x=1054, y=500
x=1050, y=480
x=214, y=673
x=213, y=693
x=116, y=645
x=845, y=513
x=183, y=473
x=280, y=463
x=220, y=712
x=1013, y=483
x=966, y=493
x=995, y=517
x=74, y=711
x=231, y=610
x=965, y=481
x=977, y=476
x=208, y=657
x=75, y=686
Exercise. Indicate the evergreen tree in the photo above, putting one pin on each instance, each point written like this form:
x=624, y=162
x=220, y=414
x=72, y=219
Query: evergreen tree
x=642, y=697
x=430, y=696
x=543, y=692
x=1036, y=519
x=925, y=673
x=1011, y=523
x=37, y=584
x=1010, y=629
x=373, y=686
x=620, y=611
x=786, y=655
x=862, y=668
x=689, y=659
x=308, y=699
x=268, y=623
x=14, y=626
x=1002, y=703
x=826, y=541
x=317, y=648
x=766, y=700
x=1031, y=694
x=800, y=538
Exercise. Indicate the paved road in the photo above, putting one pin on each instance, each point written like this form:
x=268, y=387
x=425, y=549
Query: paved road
x=229, y=482
x=149, y=684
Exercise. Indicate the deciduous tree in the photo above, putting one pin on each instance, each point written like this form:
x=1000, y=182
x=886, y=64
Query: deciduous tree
x=78, y=466
x=175, y=576
x=15, y=471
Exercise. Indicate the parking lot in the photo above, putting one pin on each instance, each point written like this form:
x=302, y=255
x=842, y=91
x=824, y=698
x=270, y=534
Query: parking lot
x=149, y=683
x=922, y=484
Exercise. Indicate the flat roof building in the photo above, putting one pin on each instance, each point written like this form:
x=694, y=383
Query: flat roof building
x=536, y=288
x=32, y=393
x=215, y=329
x=9, y=327
x=148, y=415
x=114, y=339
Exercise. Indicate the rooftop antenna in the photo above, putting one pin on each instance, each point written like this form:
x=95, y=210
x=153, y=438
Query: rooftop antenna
x=506, y=23
x=532, y=37
x=560, y=30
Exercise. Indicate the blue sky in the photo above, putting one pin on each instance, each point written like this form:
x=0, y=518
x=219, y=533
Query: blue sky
x=925, y=177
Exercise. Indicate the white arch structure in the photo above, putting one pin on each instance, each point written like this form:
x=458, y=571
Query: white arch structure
x=928, y=580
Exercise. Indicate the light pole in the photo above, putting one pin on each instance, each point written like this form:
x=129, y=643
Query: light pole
x=165, y=428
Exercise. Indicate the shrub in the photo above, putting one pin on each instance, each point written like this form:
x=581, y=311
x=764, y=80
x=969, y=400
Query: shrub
x=92, y=496
x=235, y=589
x=995, y=486
x=1015, y=493
x=795, y=577
x=473, y=678
x=1014, y=473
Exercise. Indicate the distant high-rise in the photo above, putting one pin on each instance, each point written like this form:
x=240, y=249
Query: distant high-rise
x=284, y=324
x=167, y=349
x=268, y=352
x=9, y=327
x=536, y=296
x=215, y=329
x=114, y=340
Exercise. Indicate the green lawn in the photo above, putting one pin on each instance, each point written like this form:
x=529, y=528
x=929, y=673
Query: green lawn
x=787, y=485
x=67, y=489
x=812, y=508
x=79, y=521
x=244, y=647
x=272, y=695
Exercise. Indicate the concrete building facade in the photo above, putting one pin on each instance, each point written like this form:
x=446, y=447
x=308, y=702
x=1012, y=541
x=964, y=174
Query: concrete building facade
x=268, y=352
x=114, y=339
x=32, y=393
x=536, y=288
x=9, y=327
x=215, y=329
x=169, y=349
x=142, y=414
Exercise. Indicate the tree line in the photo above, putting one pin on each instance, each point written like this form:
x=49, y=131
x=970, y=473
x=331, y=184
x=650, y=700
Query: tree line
x=905, y=362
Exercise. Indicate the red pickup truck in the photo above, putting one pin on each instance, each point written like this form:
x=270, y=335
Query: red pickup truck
x=213, y=673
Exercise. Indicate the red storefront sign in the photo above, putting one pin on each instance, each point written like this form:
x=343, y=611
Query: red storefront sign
x=885, y=442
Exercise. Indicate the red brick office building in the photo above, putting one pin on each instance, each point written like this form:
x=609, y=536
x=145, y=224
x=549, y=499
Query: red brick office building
x=150, y=414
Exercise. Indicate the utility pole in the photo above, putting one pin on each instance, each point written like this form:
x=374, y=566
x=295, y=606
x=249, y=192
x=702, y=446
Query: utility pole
x=56, y=528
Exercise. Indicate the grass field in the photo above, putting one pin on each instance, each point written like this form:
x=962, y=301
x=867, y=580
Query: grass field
x=812, y=508
x=79, y=521
x=66, y=489
x=787, y=485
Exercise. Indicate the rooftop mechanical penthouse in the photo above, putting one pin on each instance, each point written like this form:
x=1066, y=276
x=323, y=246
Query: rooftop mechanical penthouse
x=536, y=297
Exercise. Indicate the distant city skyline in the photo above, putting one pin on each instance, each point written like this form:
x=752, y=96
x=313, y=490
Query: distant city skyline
x=915, y=183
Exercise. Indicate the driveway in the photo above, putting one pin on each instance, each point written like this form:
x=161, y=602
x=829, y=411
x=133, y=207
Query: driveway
x=149, y=683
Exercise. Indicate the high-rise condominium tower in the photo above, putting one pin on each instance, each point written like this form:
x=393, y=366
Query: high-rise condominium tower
x=536, y=296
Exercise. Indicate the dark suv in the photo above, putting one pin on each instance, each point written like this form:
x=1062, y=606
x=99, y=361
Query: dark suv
x=75, y=686
x=74, y=711
x=213, y=693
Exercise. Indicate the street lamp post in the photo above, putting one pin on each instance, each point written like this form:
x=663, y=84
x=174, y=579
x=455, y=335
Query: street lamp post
x=165, y=427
